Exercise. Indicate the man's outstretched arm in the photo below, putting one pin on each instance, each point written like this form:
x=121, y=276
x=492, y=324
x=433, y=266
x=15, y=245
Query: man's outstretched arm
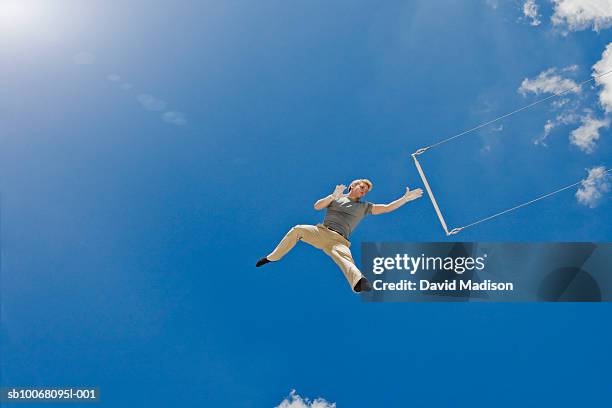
x=394, y=205
x=325, y=201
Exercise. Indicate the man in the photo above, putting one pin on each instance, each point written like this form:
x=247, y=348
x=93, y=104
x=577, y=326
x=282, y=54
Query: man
x=344, y=212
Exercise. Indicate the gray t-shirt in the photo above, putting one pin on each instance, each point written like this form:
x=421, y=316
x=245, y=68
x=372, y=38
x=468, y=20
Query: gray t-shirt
x=343, y=214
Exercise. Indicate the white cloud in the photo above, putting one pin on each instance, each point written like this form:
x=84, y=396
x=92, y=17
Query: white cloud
x=567, y=118
x=564, y=118
x=579, y=15
x=84, y=58
x=174, y=118
x=295, y=401
x=559, y=103
x=552, y=81
x=587, y=134
x=548, y=127
x=593, y=188
x=571, y=68
x=548, y=82
x=113, y=77
x=492, y=3
x=600, y=67
x=485, y=149
x=531, y=11
x=150, y=102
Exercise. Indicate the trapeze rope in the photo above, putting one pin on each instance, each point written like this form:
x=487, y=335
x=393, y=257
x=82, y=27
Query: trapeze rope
x=428, y=188
x=422, y=150
x=456, y=230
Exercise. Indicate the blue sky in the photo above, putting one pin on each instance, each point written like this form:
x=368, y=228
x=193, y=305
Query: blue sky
x=153, y=151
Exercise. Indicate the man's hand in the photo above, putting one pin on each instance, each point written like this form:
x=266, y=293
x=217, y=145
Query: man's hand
x=392, y=206
x=326, y=201
x=412, y=194
x=338, y=192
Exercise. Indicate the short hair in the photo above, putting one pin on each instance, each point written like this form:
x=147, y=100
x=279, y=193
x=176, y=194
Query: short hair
x=366, y=181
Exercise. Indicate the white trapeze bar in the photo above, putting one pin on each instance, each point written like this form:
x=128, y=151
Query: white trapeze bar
x=430, y=193
x=459, y=229
x=428, y=188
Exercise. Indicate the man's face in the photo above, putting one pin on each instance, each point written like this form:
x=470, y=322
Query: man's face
x=359, y=189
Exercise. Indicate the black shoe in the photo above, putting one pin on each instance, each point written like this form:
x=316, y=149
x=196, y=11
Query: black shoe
x=262, y=261
x=363, y=285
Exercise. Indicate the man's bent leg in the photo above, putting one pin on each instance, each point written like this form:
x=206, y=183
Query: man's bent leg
x=341, y=254
x=306, y=233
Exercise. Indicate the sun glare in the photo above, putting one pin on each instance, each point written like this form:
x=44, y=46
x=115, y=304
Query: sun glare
x=19, y=15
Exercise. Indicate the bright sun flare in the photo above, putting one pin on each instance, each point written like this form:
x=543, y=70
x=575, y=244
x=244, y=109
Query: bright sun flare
x=19, y=15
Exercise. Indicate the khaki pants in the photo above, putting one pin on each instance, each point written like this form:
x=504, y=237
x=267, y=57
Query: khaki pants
x=330, y=242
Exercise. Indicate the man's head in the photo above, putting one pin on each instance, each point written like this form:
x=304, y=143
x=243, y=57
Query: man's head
x=358, y=188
